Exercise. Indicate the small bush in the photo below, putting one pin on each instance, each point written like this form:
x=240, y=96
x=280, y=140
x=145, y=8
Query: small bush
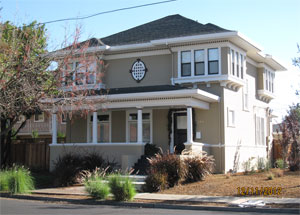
x=151, y=150
x=270, y=176
x=247, y=166
x=66, y=169
x=261, y=164
x=167, y=164
x=16, y=180
x=121, y=188
x=97, y=188
x=197, y=167
x=156, y=182
x=280, y=164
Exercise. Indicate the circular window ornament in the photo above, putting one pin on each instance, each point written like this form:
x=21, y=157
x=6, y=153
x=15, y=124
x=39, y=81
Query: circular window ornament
x=138, y=70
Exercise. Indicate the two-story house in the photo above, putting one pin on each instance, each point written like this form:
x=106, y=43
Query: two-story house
x=175, y=82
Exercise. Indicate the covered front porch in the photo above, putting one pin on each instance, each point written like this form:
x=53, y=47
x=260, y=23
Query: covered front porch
x=119, y=128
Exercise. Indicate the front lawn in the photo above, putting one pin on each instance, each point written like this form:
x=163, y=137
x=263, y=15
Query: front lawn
x=227, y=185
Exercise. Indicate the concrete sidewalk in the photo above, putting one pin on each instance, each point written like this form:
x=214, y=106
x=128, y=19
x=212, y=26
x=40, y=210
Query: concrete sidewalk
x=79, y=190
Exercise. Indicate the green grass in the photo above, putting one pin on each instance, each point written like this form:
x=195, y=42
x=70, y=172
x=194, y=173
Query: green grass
x=97, y=188
x=16, y=180
x=121, y=188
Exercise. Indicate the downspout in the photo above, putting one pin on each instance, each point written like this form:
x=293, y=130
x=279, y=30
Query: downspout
x=172, y=78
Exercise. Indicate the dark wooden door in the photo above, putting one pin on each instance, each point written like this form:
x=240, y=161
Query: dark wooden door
x=180, y=132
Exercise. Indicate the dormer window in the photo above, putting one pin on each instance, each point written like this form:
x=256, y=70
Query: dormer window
x=186, y=63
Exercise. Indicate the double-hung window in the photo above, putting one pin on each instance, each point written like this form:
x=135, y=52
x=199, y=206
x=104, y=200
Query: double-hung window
x=260, y=130
x=186, y=63
x=103, y=130
x=80, y=74
x=132, y=127
x=242, y=66
x=199, y=62
x=237, y=65
x=68, y=75
x=232, y=63
x=213, y=61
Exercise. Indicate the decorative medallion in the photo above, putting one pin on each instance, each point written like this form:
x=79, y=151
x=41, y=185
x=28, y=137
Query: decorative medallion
x=138, y=70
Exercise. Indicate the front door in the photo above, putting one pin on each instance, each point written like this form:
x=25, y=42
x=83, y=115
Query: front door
x=180, y=132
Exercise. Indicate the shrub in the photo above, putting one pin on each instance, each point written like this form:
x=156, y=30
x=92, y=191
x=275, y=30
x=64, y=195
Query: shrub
x=16, y=180
x=121, y=188
x=151, y=150
x=280, y=164
x=97, y=188
x=270, y=176
x=261, y=164
x=167, y=164
x=66, y=169
x=247, y=165
x=279, y=173
x=156, y=182
x=197, y=167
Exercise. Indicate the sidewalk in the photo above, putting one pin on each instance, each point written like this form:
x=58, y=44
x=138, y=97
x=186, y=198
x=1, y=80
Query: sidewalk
x=79, y=190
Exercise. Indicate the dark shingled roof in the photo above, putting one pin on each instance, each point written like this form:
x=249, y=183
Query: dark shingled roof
x=167, y=27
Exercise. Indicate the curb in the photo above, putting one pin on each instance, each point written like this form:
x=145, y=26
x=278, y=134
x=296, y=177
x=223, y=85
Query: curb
x=155, y=205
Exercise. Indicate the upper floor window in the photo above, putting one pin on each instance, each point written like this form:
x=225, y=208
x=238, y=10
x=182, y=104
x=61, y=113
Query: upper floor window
x=237, y=64
x=186, y=63
x=269, y=80
x=79, y=74
x=199, y=62
x=213, y=61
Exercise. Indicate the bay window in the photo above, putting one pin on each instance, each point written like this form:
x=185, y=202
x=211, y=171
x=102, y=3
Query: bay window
x=186, y=63
x=237, y=65
x=232, y=62
x=213, y=61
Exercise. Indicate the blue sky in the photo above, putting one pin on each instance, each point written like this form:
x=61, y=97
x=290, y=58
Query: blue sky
x=273, y=24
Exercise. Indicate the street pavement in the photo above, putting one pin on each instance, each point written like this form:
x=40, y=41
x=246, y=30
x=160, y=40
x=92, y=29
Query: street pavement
x=17, y=206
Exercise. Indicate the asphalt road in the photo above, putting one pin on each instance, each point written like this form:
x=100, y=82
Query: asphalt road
x=16, y=206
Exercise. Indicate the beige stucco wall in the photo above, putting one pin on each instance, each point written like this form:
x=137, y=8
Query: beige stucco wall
x=160, y=128
x=225, y=56
x=243, y=133
x=76, y=131
x=118, y=123
x=123, y=155
x=159, y=72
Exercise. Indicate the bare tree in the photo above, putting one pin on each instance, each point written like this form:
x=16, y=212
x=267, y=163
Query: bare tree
x=28, y=86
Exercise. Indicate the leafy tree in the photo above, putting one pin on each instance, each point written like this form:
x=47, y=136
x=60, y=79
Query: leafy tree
x=27, y=85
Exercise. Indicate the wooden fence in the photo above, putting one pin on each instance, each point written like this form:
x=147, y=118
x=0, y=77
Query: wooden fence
x=34, y=154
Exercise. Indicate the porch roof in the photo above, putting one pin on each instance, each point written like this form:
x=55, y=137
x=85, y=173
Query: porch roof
x=161, y=98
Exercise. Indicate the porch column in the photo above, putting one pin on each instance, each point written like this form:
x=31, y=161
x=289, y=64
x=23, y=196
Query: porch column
x=189, y=118
x=54, y=128
x=140, y=125
x=95, y=119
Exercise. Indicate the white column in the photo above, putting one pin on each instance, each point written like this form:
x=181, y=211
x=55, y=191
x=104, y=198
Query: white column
x=54, y=128
x=95, y=120
x=189, y=125
x=140, y=125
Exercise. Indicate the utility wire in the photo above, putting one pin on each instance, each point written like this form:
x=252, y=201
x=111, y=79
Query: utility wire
x=110, y=11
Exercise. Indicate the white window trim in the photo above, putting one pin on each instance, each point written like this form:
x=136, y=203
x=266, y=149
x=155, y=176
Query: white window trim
x=229, y=123
x=42, y=120
x=246, y=91
x=237, y=62
x=127, y=123
x=193, y=49
x=88, y=136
